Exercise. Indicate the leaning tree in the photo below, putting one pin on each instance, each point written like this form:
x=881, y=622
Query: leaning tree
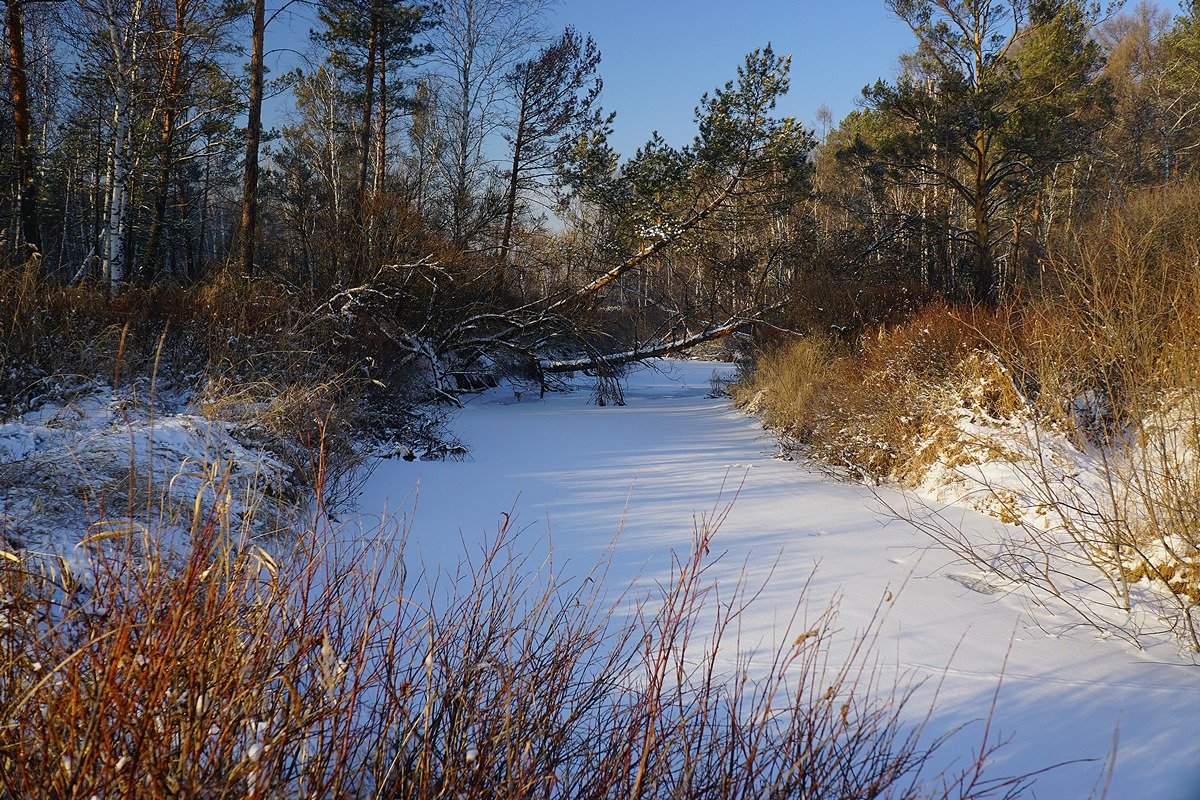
x=744, y=171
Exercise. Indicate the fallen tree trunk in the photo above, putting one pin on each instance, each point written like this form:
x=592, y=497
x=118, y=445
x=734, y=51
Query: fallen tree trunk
x=655, y=350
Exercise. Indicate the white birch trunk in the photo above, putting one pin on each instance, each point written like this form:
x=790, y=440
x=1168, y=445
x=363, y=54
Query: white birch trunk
x=123, y=35
x=113, y=247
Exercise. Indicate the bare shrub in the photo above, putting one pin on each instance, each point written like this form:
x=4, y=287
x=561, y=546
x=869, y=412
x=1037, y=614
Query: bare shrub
x=1103, y=486
x=292, y=372
x=607, y=390
x=323, y=669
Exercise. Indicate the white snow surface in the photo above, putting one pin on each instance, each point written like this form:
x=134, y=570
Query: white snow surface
x=575, y=474
x=68, y=467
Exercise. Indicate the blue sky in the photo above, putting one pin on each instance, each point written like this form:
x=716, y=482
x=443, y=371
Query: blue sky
x=661, y=55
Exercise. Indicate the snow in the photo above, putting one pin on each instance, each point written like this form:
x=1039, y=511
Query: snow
x=68, y=468
x=582, y=480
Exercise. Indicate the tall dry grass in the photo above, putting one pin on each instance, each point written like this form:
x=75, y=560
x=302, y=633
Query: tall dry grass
x=866, y=408
x=786, y=385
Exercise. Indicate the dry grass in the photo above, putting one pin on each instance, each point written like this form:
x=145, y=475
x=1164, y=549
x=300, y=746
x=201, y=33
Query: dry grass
x=867, y=409
x=1106, y=361
x=787, y=383
x=290, y=372
x=321, y=669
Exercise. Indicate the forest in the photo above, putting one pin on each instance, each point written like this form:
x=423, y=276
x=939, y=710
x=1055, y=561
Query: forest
x=230, y=292
x=454, y=159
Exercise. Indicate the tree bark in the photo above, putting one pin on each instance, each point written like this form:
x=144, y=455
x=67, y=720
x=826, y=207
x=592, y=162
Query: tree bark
x=166, y=142
x=114, y=244
x=368, y=116
x=983, y=285
x=123, y=42
x=26, y=178
x=654, y=350
x=510, y=205
x=253, y=137
x=381, y=138
x=460, y=191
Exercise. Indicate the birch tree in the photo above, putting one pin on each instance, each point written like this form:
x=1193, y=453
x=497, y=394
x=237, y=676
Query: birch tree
x=119, y=29
x=248, y=228
x=475, y=44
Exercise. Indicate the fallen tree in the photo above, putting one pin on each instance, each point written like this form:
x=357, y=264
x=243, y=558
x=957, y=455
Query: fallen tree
x=694, y=240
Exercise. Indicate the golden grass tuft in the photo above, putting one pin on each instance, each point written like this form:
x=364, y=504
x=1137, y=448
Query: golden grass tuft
x=787, y=384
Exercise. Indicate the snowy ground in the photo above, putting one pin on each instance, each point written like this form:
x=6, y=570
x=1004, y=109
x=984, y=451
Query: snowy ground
x=72, y=466
x=576, y=474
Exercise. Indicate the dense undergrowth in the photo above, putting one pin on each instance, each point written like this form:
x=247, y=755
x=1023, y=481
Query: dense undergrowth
x=1072, y=414
x=237, y=347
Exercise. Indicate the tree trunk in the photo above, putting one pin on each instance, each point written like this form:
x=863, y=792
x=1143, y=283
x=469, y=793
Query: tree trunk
x=202, y=233
x=378, y=182
x=368, y=116
x=166, y=141
x=983, y=283
x=461, y=190
x=253, y=136
x=97, y=251
x=984, y=280
x=381, y=138
x=123, y=44
x=26, y=178
x=361, y=221
x=114, y=242
x=510, y=205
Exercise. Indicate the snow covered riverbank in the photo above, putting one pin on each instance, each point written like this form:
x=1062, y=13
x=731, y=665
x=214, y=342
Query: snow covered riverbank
x=78, y=468
x=575, y=475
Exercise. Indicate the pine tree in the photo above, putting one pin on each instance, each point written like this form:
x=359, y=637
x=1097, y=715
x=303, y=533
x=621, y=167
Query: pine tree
x=555, y=100
x=987, y=104
x=25, y=179
x=745, y=167
x=366, y=39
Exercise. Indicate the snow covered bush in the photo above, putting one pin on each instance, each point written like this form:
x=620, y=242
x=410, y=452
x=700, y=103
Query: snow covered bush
x=1115, y=473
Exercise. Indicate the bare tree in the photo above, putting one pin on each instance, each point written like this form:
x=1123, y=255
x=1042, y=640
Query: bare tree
x=476, y=43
